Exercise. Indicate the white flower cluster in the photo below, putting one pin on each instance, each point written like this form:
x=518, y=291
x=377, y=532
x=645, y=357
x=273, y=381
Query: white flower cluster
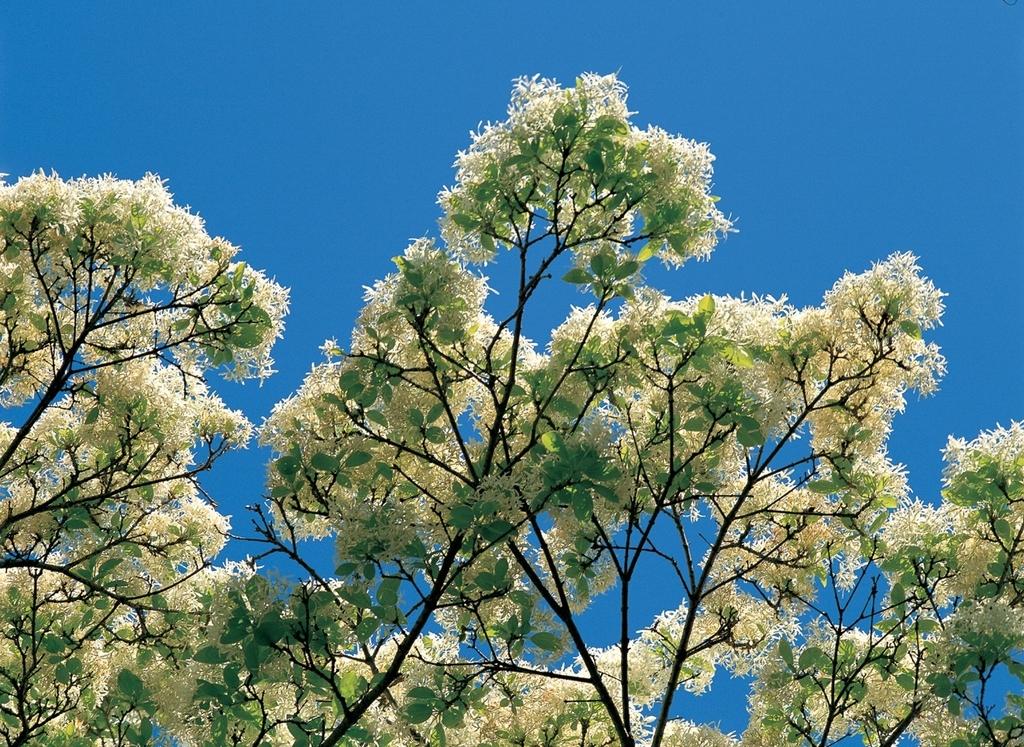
x=555, y=160
x=67, y=241
x=1004, y=446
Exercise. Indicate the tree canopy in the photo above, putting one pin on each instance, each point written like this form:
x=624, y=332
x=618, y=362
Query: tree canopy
x=504, y=515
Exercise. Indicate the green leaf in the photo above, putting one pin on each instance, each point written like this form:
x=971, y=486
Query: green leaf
x=627, y=268
x=438, y=736
x=648, y=251
x=40, y=322
x=418, y=711
x=129, y=684
x=565, y=117
x=495, y=530
x=462, y=220
x=546, y=641
x=485, y=581
x=1003, y=530
x=349, y=684
x=247, y=335
x=942, y=686
x=600, y=263
x=552, y=441
x=271, y=629
x=461, y=517
x=750, y=436
x=706, y=305
x=606, y=492
x=786, y=652
x=611, y=125
x=288, y=466
x=811, y=656
x=421, y=693
x=300, y=736
x=109, y=565
x=377, y=417
x=696, y=423
x=898, y=595
x=208, y=655
x=356, y=597
x=350, y=383
x=906, y=681
x=387, y=594
x=582, y=505
x=988, y=590
x=452, y=717
x=237, y=629
x=911, y=328
x=53, y=644
x=577, y=276
x=325, y=462
x=207, y=691
x=366, y=628
x=737, y=356
x=888, y=501
x=357, y=458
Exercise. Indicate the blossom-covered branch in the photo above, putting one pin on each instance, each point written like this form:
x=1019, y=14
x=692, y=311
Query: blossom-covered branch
x=115, y=304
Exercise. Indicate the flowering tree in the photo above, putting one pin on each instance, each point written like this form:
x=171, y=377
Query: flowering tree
x=559, y=545
x=722, y=459
x=113, y=306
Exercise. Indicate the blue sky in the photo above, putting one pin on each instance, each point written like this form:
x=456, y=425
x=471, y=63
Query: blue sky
x=317, y=135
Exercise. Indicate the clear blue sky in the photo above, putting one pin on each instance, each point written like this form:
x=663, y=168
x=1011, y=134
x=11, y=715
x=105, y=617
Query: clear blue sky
x=316, y=135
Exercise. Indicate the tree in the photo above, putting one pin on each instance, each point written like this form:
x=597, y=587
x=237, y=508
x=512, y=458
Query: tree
x=114, y=304
x=482, y=494
x=709, y=474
